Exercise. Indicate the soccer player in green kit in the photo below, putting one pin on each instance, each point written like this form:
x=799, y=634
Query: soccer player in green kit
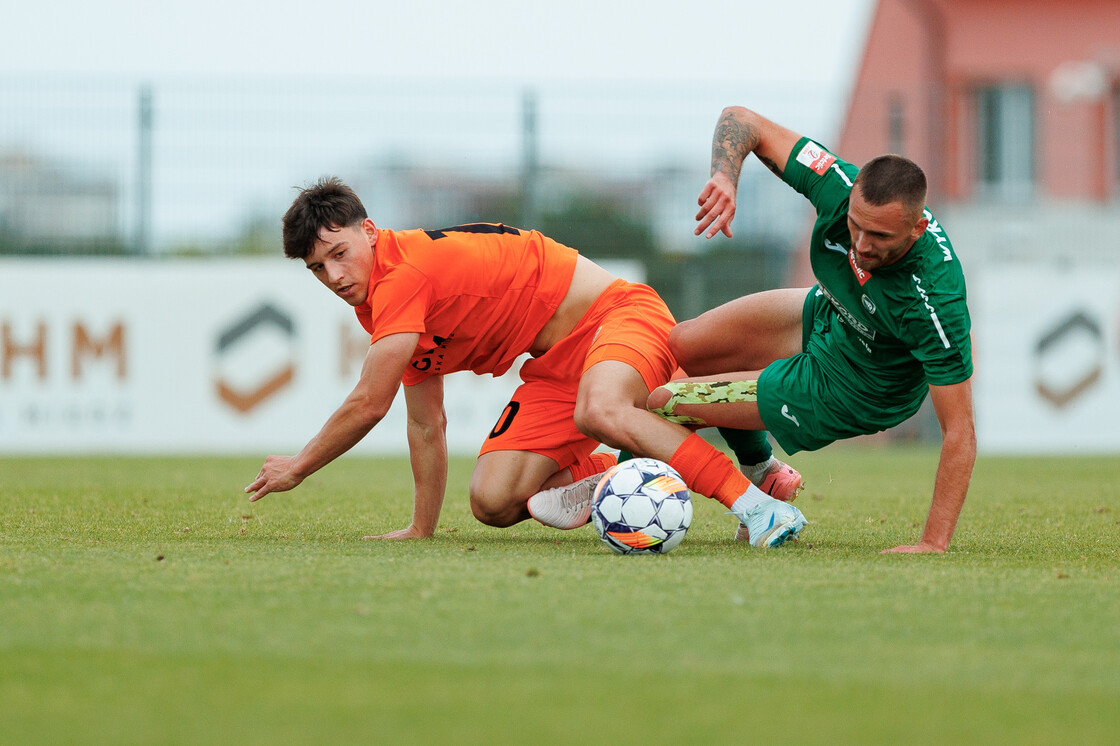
x=886, y=322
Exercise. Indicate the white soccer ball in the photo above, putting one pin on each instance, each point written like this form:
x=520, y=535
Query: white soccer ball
x=641, y=506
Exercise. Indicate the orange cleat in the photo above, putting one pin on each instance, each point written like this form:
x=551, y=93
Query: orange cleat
x=782, y=482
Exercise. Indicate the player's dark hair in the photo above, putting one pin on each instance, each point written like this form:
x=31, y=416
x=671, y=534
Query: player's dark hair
x=893, y=178
x=329, y=204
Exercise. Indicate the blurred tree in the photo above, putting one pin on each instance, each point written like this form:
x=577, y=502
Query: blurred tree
x=599, y=228
x=505, y=207
x=260, y=236
x=14, y=244
x=587, y=221
x=694, y=283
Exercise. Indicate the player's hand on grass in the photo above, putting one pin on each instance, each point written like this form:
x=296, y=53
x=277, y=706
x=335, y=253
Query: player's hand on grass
x=717, y=206
x=405, y=533
x=275, y=476
x=922, y=548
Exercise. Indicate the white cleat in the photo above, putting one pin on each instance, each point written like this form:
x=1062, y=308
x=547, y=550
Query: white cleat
x=565, y=507
x=770, y=524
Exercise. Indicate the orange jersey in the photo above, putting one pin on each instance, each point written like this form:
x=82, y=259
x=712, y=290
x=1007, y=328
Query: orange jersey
x=477, y=294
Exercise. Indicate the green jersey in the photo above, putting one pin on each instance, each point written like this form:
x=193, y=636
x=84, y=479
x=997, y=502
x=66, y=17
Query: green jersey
x=883, y=336
x=903, y=326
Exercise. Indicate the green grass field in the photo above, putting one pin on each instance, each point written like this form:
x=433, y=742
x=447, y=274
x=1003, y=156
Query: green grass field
x=145, y=601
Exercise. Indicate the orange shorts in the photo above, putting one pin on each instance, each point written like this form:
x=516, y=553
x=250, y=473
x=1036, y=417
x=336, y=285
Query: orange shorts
x=627, y=323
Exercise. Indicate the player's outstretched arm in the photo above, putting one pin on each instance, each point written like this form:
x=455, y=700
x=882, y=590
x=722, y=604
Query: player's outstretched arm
x=363, y=408
x=738, y=133
x=953, y=405
x=427, y=448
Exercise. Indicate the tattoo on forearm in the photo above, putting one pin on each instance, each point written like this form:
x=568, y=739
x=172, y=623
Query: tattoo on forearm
x=732, y=143
x=771, y=165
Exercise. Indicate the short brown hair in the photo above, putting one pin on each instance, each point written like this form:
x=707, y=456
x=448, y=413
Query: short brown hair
x=329, y=204
x=893, y=178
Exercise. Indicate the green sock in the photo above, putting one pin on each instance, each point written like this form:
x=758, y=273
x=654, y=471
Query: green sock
x=624, y=456
x=749, y=446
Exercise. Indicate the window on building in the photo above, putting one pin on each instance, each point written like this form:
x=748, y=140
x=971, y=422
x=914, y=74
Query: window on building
x=1005, y=141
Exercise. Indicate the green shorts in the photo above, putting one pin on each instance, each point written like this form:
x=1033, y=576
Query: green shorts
x=808, y=401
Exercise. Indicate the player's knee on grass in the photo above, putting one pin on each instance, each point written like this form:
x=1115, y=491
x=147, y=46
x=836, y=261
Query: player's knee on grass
x=494, y=505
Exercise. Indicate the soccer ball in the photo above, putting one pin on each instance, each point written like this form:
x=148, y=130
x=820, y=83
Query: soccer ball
x=641, y=506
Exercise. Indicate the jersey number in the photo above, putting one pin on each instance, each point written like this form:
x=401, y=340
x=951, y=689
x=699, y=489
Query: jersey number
x=506, y=419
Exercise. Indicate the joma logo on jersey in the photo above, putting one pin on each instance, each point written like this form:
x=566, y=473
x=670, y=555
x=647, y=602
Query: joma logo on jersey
x=815, y=157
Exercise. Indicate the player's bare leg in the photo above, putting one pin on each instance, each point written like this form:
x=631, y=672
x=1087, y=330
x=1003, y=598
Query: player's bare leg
x=611, y=408
x=747, y=333
x=503, y=481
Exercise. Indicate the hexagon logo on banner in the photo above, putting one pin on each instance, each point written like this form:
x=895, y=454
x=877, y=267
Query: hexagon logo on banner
x=1069, y=359
x=255, y=358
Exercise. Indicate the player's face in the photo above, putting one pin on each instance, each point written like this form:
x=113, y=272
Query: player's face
x=881, y=234
x=343, y=260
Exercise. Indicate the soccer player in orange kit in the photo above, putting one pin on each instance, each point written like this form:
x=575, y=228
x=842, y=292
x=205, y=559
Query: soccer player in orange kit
x=475, y=297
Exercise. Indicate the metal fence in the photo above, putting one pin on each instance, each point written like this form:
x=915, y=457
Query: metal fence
x=196, y=166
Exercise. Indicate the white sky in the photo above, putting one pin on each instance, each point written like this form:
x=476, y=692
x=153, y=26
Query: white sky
x=523, y=40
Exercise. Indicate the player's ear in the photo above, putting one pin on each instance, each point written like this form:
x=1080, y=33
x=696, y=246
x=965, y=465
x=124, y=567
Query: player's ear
x=371, y=231
x=919, y=228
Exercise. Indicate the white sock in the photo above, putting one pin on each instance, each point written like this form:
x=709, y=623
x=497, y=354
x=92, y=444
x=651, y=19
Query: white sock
x=752, y=497
x=757, y=472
